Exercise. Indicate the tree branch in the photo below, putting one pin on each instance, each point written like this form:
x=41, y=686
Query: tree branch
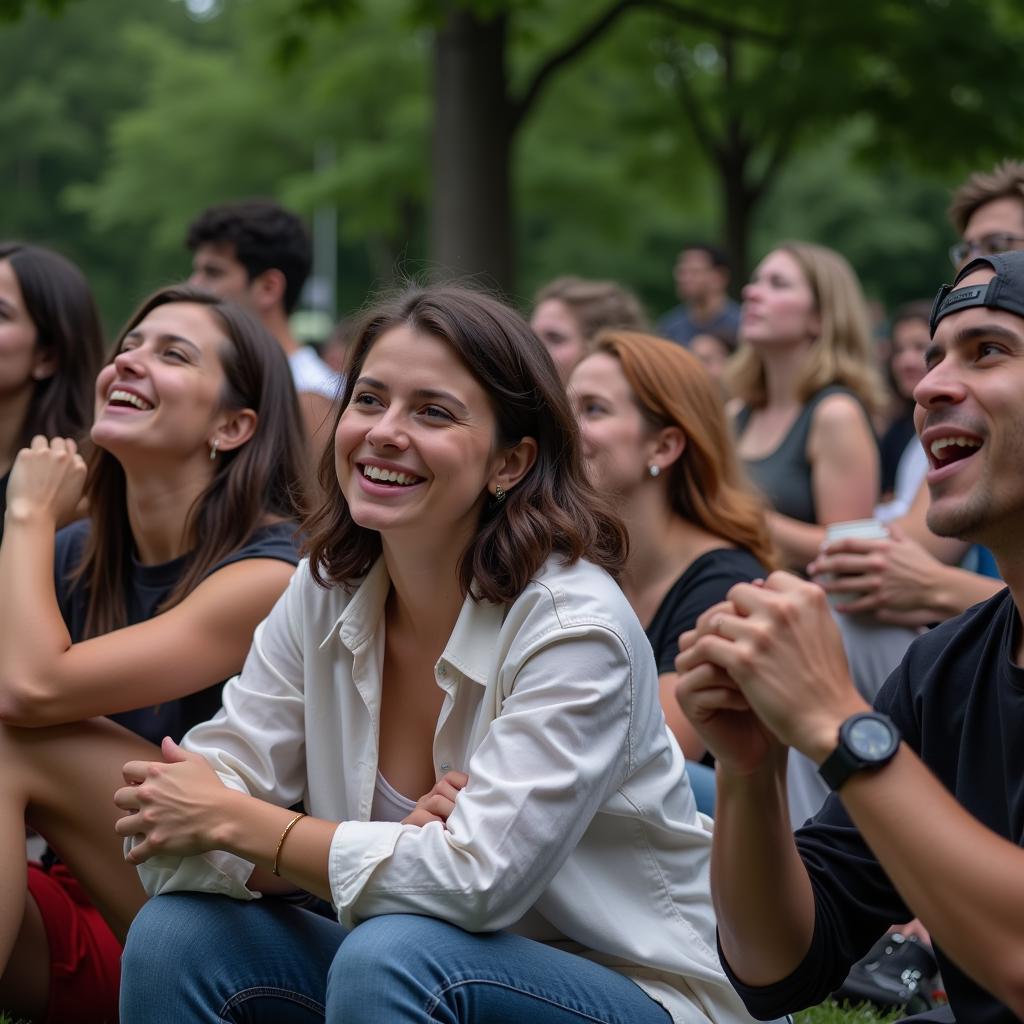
x=519, y=108
x=701, y=19
x=702, y=129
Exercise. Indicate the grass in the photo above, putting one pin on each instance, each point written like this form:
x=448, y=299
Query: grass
x=830, y=1013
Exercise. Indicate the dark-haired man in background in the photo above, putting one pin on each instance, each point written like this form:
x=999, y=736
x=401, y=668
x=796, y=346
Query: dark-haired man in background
x=702, y=279
x=256, y=252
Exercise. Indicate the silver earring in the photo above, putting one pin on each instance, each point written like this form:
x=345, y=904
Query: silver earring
x=499, y=493
x=214, y=444
x=653, y=470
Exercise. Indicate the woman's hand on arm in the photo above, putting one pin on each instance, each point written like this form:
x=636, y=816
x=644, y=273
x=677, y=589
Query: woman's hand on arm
x=46, y=680
x=439, y=803
x=180, y=808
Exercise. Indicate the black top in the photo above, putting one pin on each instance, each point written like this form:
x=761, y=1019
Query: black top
x=147, y=587
x=891, y=448
x=784, y=475
x=705, y=582
x=958, y=700
x=4, y=480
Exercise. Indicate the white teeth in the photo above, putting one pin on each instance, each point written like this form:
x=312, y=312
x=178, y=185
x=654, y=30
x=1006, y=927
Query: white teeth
x=388, y=476
x=117, y=395
x=945, y=442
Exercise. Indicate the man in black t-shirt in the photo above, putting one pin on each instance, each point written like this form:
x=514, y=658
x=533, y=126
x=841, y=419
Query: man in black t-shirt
x=927, y=812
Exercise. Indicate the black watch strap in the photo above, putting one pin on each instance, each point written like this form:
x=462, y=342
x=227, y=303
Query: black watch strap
x=866, y=740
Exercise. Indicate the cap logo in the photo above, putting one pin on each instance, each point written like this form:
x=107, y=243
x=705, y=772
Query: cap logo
x=962, y=295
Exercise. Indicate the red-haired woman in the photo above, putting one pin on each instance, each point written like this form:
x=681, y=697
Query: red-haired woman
x=655, y=437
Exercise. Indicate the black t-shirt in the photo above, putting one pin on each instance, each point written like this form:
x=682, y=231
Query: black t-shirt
x=958, y=699
x=705, y=582
x=147, y=587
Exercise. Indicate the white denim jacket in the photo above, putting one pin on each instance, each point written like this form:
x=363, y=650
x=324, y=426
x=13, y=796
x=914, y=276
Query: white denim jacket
x=578, y=825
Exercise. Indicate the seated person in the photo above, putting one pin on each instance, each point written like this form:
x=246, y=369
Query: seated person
x=927, y=803
x=139, y=611
x=457, y=616
x=656, y=438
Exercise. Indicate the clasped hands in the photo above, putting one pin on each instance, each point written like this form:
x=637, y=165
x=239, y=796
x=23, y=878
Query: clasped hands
x=765, y=670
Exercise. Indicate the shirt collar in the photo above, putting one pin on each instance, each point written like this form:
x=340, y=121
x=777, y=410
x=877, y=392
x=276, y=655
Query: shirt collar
x=470, y=648
x=363, y=612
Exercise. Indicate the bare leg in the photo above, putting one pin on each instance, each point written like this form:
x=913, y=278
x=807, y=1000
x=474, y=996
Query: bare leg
x=25, y=986
x=61, y=780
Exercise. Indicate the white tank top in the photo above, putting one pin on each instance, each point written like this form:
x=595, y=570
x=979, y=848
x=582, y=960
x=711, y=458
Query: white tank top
x=388, y=803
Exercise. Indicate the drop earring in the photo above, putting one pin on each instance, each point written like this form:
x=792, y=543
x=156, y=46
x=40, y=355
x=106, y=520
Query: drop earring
x=653, y=470
x=214, y=444
x=499, y=493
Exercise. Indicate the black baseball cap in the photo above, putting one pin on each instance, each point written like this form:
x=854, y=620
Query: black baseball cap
x=1005, y=290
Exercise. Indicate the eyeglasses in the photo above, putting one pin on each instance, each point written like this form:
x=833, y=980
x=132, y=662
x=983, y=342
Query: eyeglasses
x=987, y=246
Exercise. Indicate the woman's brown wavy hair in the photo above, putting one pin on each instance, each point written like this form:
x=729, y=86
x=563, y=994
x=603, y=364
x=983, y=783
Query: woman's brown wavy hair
x=553, y=509
x=706, y=484
x=264, y=480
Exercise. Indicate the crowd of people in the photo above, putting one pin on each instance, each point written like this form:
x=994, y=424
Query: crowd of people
x=557, y=669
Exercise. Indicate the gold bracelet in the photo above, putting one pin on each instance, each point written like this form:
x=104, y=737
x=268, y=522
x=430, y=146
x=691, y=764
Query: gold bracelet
x=284, y=835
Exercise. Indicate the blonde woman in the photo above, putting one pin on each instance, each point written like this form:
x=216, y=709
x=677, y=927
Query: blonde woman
x=806, y=386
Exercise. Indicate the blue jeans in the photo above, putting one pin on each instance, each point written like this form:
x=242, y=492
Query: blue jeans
x=194, y=957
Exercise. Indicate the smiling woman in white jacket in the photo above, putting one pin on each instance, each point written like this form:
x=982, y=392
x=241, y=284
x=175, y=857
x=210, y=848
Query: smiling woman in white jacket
x=457, y=632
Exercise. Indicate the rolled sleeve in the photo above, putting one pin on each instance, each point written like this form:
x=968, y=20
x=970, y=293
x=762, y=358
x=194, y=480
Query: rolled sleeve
x=546, y=764
x=254, y=743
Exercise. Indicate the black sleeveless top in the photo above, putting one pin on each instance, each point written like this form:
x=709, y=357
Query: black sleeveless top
x=784, y=476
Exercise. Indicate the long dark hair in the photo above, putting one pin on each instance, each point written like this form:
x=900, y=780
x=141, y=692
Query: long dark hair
x=63, y=311
x=552, y=509
x=262, y=480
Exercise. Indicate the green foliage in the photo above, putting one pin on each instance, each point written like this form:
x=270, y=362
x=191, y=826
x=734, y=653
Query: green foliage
x=830, y=1013
x=852, y=119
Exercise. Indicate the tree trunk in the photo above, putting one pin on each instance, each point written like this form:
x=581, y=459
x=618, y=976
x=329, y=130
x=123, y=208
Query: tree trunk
x=471, y=203
x=738, y=202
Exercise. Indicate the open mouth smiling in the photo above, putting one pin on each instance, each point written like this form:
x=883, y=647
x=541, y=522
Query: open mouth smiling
x=121, y=398
x=389, y=477
x=945, y=449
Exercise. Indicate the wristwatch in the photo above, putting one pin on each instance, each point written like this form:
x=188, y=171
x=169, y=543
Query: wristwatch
x=867, y=740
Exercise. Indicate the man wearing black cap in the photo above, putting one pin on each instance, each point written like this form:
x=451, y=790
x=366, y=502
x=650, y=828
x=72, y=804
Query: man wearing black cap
x=927, y=812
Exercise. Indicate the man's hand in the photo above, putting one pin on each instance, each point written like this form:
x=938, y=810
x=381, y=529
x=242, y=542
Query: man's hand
x=780, y=647
x=715, y=705
x=439, y=802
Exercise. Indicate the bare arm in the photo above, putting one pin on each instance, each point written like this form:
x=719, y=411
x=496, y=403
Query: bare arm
x=844, y=478
x=761, y=890
x=782, y=651
x=686, y=736
x=923, y=838
x=45, y=679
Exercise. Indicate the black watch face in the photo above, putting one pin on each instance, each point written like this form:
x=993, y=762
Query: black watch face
x=870, y=739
